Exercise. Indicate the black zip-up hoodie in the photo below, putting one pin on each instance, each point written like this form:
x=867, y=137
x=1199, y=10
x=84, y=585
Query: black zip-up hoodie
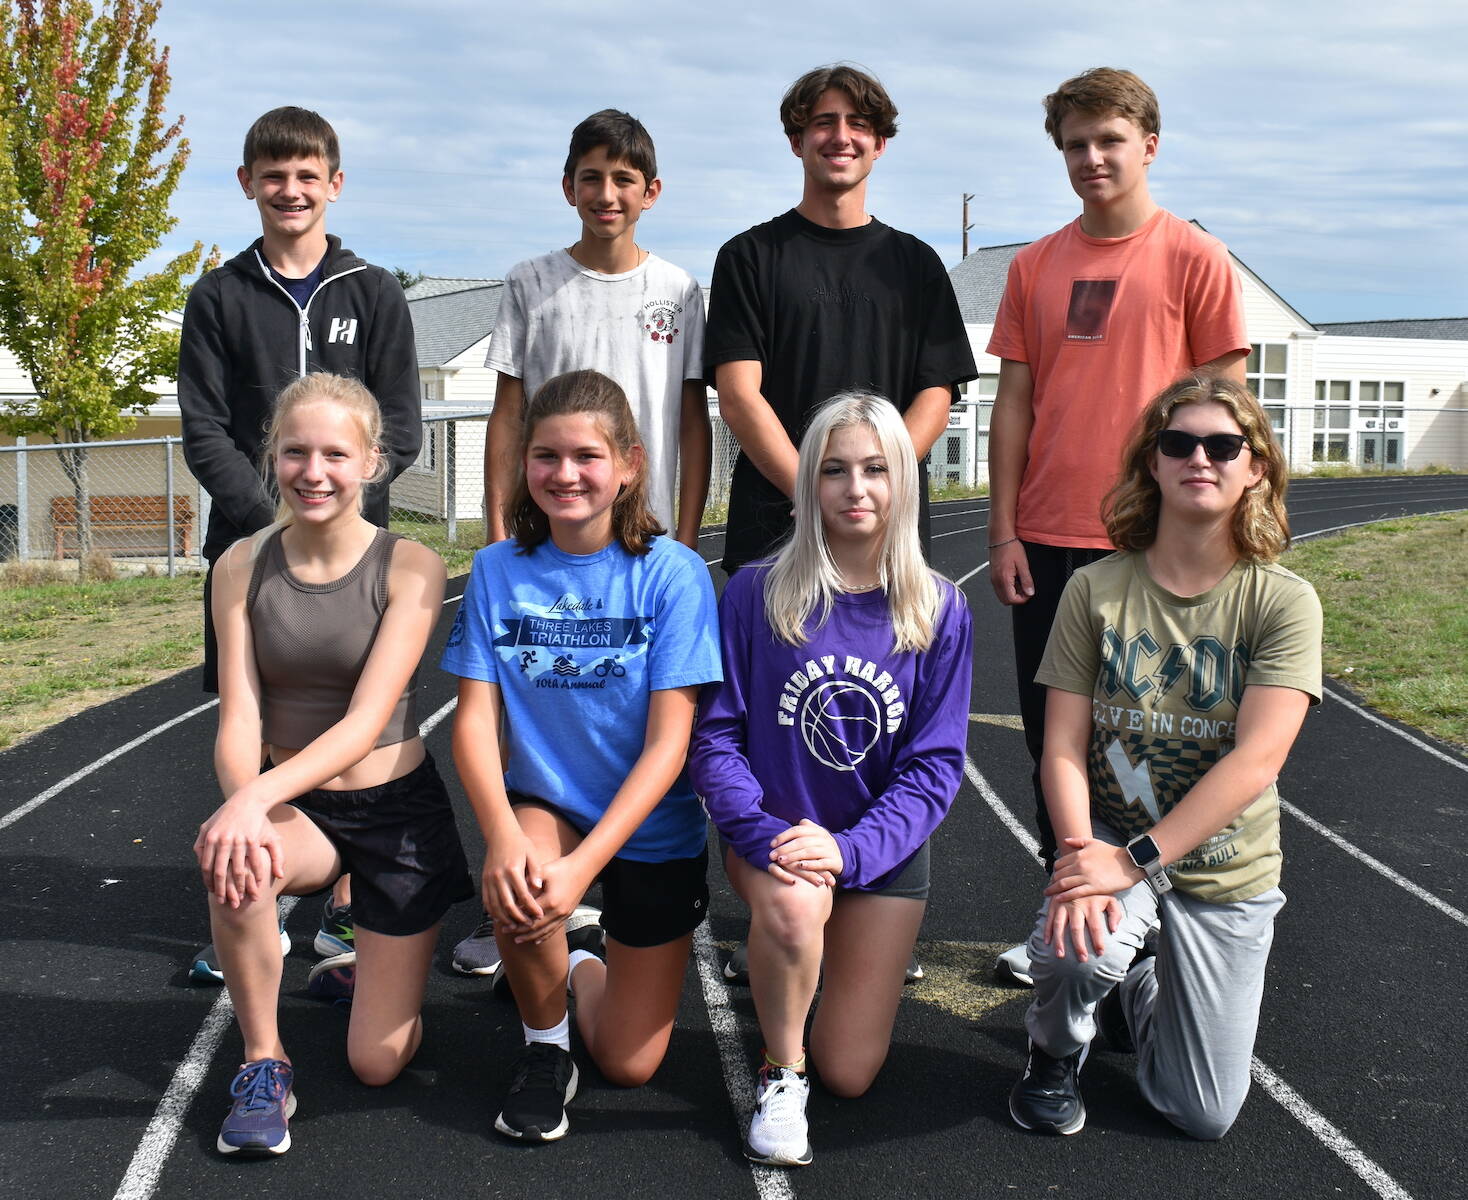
x=244, y=338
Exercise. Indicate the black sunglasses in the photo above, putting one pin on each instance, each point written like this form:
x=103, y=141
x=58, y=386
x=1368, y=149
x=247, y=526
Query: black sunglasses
x=1219, y=447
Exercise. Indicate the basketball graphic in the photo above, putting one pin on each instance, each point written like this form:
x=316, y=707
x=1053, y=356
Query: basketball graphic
x=840, y=722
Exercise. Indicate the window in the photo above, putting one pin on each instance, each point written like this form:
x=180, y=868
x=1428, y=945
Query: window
x=427, y=459
x=1267, y=371
x=1332, y=424
x=1361, y=421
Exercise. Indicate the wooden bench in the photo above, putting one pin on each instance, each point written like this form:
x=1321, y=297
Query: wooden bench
x=127, y=514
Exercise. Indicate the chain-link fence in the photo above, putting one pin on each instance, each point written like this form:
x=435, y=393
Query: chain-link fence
x=135, y=502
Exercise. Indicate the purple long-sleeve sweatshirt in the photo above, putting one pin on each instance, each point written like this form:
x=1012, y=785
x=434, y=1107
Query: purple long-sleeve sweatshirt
x=864, y=741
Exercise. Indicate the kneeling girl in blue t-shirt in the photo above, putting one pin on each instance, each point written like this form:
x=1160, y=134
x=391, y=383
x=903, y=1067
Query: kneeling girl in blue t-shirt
x=830, y=753
x=591, y=632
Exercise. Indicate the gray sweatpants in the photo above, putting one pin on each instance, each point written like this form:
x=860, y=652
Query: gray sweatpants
x=1193, y=1010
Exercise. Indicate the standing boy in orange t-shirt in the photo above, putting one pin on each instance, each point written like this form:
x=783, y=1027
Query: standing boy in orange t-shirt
x=1096, y=319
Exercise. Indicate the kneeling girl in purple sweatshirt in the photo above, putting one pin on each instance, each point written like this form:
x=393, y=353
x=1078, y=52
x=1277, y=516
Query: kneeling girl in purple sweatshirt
x=829, y=754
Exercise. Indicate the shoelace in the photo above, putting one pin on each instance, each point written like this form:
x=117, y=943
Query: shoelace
x=259, y=1085
x=540, y=1067
x=780, y=1098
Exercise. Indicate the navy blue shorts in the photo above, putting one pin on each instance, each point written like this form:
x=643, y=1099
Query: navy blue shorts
x=401, y=845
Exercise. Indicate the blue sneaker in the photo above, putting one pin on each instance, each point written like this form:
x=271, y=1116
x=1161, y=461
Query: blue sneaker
x=263, y=1104
x=337, y=934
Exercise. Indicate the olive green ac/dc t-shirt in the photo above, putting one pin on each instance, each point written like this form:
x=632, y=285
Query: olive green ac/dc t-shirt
x=1165, y=674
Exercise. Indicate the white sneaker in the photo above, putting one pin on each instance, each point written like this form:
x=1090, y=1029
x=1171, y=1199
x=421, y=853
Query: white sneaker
x=778, y=1133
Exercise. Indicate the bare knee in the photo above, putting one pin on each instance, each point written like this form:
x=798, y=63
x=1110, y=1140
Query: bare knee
x=628, y=1074
x=846, y=1075
x=792, y=918
x=376, y=1066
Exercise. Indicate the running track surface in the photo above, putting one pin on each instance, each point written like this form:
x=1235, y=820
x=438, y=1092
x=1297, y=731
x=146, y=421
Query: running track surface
x=119, y=1068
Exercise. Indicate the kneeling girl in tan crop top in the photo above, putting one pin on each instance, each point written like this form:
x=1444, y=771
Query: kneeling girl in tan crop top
x=322, y=620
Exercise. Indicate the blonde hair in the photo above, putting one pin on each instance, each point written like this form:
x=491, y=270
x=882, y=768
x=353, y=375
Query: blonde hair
x=804, y=578
x=633, y=522
x=348, y=394
x=1261, y=530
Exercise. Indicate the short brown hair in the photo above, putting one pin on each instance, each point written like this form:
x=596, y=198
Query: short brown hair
x=633, y=522
x=621, y=135
x=867, y=94
x=292, y=132
x=1261, y=531
x=1103, y=92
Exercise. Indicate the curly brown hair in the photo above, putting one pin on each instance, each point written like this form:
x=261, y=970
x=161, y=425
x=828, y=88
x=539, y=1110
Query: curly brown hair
x=1261, y=530
x=633, y=522
x=867, y=94
x=1103, y=92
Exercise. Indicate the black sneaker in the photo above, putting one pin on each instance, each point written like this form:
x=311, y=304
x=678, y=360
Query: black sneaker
x=337, y=934
x=1047, y=1098
x=544, y=1083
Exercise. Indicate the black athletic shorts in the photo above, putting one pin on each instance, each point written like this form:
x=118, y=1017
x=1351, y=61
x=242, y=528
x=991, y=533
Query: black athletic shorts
x=645, y=903
x=401, y=845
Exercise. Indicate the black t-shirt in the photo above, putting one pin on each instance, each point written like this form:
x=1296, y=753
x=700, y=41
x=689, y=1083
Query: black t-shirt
x=826, y=310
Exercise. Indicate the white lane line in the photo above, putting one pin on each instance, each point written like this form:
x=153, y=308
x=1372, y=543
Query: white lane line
x=55, y=789
x=1401, y=733
x=140, y=1180
x=971, y=574
x=1346, y=1150
x=1441, y=512
x=772, y=1183
x=152, y=1153
x=1289, y=1099
x=1375, y=864
x=1001, y=810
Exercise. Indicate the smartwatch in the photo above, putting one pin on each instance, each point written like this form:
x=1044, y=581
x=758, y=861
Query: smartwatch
x=1148, y=858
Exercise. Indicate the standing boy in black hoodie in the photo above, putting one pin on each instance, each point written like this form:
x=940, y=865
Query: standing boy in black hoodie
x=294, y=301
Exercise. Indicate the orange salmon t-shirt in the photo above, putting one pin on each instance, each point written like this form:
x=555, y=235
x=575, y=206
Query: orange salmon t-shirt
x=1104, y=324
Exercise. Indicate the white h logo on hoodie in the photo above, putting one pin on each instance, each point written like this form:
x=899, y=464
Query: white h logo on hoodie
x=343, y=329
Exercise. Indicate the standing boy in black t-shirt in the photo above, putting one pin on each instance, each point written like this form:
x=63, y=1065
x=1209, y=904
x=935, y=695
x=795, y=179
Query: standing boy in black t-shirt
x=294, y=301
x=821, y=299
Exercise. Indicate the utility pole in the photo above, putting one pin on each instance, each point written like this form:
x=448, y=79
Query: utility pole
x=967, y=224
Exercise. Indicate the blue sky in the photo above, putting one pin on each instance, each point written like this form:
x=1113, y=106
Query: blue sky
x=1327, y=146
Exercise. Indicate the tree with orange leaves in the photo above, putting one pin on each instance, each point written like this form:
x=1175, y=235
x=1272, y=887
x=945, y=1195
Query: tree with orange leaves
x=87, y=169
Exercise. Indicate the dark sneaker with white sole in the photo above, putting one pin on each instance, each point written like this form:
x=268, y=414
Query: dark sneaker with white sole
x=338, y=934
x=258, y=1121
x=544, y=1083
x=1047, y=1098
x=479, y=953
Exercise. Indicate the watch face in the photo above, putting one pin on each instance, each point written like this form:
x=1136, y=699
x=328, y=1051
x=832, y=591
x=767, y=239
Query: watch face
x=1144, y=851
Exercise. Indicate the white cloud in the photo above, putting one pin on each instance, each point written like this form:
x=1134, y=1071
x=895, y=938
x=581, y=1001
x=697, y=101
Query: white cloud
x=1325, y=145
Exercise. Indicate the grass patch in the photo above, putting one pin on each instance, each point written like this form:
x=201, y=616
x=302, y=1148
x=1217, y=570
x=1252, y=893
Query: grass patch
x=1351, y=471
x=65, y=646
x=1396, y=625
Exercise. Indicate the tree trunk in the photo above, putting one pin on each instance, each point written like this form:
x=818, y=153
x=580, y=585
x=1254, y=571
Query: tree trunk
x=74, y=463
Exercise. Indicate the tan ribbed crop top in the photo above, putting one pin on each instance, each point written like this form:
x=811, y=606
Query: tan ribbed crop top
x=312, y=641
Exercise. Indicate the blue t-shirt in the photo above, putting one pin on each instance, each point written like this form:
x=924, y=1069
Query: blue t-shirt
x=576, y=643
